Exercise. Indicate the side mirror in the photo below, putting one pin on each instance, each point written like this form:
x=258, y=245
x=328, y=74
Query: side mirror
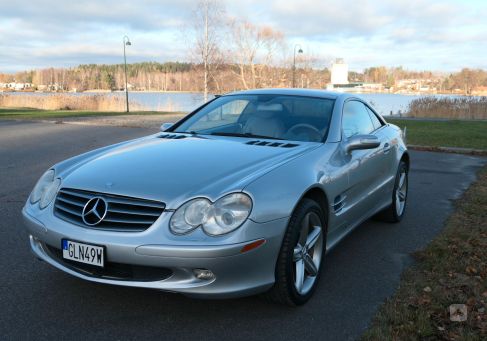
x=166, y=126
x=357, y=142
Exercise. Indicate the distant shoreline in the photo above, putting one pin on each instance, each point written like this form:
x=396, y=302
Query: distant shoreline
x=101, y=91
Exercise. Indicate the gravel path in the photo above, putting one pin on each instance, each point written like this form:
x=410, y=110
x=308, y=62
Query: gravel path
x=139, y=121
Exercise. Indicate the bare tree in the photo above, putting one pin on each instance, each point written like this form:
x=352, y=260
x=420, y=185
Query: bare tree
x=309, y=63
x=252, y=44
x=208, y=25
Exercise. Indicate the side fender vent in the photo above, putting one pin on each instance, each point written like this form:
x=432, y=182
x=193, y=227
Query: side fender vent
x=272, y=144
x=339, y=203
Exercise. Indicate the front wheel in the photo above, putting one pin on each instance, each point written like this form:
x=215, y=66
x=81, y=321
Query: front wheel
x=300, y=259
x=395, y=212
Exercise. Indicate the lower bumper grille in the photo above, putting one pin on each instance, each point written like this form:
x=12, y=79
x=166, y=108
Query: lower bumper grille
x=112, y=271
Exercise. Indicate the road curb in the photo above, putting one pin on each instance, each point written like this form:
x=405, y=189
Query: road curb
x=454, y=150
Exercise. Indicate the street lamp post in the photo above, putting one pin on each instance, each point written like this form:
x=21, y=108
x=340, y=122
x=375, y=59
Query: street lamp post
x=126, y=42
x=294, y=63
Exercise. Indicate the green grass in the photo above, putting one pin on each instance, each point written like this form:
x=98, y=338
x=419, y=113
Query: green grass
x=452, y=269
x=36, y=114
x=461, y=134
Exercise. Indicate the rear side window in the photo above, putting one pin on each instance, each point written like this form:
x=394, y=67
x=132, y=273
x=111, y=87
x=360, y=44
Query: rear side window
x=356, y=119
x=375, y=120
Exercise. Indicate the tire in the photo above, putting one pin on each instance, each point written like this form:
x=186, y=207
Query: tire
x=395, y=212
x=292, y=252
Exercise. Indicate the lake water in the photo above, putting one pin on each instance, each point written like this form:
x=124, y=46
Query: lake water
x=186, y=102
x=383, y=103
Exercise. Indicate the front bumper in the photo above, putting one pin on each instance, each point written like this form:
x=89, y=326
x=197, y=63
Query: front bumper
x=235, y=273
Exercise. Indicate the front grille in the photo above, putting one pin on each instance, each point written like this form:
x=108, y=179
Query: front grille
x=123, y=213
x=113, y=271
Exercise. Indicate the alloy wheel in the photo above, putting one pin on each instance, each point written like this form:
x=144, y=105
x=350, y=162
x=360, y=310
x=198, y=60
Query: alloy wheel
x=401, y=192
x=308, y=253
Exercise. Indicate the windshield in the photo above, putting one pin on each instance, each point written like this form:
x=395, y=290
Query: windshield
x=284, y=117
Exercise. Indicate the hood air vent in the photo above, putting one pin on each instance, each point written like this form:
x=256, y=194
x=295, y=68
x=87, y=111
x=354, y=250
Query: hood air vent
x=272, y=144
x=172, y=136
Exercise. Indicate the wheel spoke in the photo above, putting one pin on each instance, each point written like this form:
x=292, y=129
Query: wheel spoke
x=313, y=237
x=398, y=204
x=310, y=265
x=297, y=253
x=304, y=230
x=401, y=195
x=402, y=180
x=299, y=275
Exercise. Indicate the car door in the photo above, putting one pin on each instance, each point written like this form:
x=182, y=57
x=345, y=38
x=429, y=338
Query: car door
x=388, y=147
x=366, y=168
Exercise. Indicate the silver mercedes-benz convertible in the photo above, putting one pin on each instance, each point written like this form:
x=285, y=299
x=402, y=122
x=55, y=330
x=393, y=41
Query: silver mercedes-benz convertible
x=245, y=195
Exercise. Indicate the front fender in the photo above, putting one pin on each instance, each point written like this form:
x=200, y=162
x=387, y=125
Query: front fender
x=276, y=194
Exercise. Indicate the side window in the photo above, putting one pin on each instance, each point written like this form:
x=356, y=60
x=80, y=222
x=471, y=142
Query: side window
x=375, y=121
x=356, y=119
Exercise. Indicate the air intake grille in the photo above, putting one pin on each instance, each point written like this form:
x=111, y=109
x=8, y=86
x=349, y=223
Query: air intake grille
x=272, y=144
x=172, y=136
x=339, y=203
x=113, y=271
x=122, y=213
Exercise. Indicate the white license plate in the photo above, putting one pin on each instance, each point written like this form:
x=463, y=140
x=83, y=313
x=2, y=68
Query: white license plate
x=83, y=253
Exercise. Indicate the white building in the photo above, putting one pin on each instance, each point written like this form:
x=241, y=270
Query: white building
x=16, y=86
x=339, y=72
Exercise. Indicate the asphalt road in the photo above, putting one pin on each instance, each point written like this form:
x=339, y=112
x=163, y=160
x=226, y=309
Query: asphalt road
x=38, y=301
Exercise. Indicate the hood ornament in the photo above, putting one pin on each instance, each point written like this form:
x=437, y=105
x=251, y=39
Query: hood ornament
x=94, y=211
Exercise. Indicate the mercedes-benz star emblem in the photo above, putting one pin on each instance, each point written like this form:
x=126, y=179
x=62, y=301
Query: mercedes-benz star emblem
x=94, y=211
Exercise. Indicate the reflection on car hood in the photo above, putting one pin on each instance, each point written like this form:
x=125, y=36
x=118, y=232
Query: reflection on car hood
x=174, y=170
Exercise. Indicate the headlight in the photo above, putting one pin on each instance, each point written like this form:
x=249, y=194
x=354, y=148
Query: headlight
x=45, y=189
x=189, y=216
x=225, y=215
x=228, y=213
x=49, y=194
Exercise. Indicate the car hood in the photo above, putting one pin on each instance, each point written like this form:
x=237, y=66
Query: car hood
x=174, y=170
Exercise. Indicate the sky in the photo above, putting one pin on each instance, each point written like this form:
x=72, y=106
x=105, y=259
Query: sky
x=438, y=35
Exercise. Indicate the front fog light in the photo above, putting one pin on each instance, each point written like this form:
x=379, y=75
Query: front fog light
x=203, y=274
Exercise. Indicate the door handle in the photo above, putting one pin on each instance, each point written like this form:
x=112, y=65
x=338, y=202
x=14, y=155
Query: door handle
x=387, y=148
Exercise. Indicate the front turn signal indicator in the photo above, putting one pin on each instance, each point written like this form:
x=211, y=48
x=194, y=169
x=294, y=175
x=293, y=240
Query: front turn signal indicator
x=253, y=245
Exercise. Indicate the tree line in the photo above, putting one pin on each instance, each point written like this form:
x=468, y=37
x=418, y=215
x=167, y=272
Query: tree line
x=180, y=76
x=174, y=76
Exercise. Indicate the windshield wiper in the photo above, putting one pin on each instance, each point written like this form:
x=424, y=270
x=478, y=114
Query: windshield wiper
x=222, y=133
